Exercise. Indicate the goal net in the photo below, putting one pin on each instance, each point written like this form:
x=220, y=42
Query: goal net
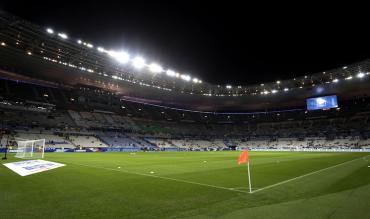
x=30, y=148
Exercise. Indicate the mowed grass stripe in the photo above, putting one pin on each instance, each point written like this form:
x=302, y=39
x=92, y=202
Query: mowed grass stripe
x=231, y=188
x=162, y=177
x=308, y=174
x=266, y=173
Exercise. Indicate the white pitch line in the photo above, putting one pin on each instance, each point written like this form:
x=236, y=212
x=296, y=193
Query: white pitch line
x=163, y=177
x=308, y=174
x=244, y=188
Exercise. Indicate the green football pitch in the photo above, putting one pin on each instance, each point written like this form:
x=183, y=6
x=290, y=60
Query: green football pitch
x=191, y=185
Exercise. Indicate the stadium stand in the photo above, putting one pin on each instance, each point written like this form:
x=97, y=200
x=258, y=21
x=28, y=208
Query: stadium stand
x=113, y=108
x=117, y=139
x=51, y=140
x=93, y=128
x=82, y=141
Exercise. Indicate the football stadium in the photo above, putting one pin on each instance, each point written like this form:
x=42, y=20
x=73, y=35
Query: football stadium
x=93, y=132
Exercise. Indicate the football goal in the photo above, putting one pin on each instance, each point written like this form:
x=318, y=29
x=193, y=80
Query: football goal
x=30, y=148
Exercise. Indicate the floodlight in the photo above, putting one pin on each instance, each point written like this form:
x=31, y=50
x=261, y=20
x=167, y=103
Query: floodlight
x=79, y=41
x=185, y=77
x=360, y=75
x=286, y=89
x=155, y=68
x=195, y=80
x=63, y=35
x=49, y=30
x=101, y=49
x=274, y=91
x=228, y=86
x=89, y=45
x=170, y=73
x=138, y=62
x=122, y=57
x=335, y=80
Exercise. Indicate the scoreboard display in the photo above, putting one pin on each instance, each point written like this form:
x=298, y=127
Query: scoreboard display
x=324, y=102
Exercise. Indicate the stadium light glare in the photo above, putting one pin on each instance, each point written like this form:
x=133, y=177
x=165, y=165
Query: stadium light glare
x=63, y=35
x=3, y=44
x=360, y=75
x=79, y=41
x=185, y=77
x=195, y=80
x=101, y=49
x=278, y=82
x=349, y=78
x=274, y=91
x=122, y=57
x=138, y=62
x=286, y=89
x=228, y=86
x=336, y=80
x=111, y=53
x=170, y=73
x=345, y=67
x=49, y=30
x=90, y=45
x=155, y=68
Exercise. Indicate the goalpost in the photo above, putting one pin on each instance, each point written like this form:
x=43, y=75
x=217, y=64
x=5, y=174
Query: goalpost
x=31, y=148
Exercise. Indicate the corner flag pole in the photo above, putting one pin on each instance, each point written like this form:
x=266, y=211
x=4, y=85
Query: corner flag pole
x=243, y=158
x=249, y=178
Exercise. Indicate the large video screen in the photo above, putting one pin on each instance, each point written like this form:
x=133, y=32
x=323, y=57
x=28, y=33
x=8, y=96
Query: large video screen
x=325, y=102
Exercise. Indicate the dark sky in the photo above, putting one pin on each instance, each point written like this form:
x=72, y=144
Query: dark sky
x=220, y=43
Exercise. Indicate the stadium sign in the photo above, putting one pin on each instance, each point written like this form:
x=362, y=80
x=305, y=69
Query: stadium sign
x=28, y=167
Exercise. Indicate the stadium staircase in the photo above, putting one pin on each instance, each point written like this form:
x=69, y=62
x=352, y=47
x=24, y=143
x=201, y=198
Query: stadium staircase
x=170, y=143
x=72, y=143
x=102, y=140
x=142, y=142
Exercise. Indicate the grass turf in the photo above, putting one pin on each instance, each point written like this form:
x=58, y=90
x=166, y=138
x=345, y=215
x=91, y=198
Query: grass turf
x=190, y=185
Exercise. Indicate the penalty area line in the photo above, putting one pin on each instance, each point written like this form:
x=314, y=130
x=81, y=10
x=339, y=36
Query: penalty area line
x=164, y=178
x=308, y=174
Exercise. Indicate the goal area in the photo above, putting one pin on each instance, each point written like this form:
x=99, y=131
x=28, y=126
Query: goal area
x=30, y=148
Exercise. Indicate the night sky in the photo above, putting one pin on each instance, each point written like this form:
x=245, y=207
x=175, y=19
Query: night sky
x=219, y=43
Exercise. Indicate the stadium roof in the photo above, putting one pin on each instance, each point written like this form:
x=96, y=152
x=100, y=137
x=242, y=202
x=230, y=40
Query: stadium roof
x=53, y=55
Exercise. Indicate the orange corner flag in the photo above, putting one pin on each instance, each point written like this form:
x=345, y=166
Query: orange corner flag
x=243, y=158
